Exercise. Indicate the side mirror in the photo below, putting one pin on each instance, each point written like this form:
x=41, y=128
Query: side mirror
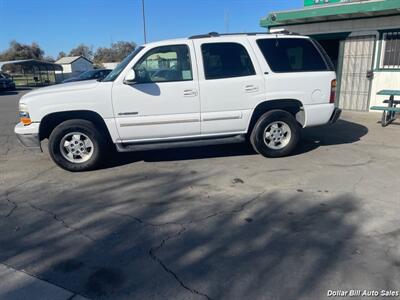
x=130, y=78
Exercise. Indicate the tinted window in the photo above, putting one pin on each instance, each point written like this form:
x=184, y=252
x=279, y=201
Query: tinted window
x=291, y=55
x=166, y=63
x=224, y=60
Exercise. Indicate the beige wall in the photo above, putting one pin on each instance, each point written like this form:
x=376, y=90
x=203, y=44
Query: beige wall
x=383, y=81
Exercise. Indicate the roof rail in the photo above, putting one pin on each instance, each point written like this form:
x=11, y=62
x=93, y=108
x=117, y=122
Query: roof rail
x=216, y=34
x=281, y=31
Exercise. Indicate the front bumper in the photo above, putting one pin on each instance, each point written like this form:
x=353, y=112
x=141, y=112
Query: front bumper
x=335, y=115
x=28, y=135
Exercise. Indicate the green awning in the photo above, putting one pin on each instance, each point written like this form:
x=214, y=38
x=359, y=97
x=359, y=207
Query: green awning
x=342, y=11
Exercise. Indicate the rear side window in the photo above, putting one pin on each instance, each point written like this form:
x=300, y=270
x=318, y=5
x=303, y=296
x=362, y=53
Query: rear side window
x=292, y=55
x=225, y=60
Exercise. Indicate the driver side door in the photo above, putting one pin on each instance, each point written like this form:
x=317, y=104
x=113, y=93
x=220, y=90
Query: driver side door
x=164, y=101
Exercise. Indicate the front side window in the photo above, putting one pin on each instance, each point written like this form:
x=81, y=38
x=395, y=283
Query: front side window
x=226, y=60
x=292, y=55
x=165, y=64
x=391, y=55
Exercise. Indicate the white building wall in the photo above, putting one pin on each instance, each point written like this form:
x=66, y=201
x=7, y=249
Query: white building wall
x=66, y=69
x=383, y=80
x=110, y=65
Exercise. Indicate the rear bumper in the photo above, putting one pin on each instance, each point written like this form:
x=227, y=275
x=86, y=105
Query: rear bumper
x=335, y=115
x=318, y=114
x=28, y=135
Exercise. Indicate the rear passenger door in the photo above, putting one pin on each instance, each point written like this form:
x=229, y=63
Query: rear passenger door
x=230, y=82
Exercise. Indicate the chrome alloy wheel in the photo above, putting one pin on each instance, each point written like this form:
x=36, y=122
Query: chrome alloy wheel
x=76, y=147
x=277, y=135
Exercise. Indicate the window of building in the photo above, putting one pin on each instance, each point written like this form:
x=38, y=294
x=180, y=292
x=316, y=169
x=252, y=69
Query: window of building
x=226, y=60
x=292, y=55
x=391, y=50
x=163, y=64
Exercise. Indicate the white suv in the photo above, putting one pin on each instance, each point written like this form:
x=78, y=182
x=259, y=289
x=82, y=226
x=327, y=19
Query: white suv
x=206, y=89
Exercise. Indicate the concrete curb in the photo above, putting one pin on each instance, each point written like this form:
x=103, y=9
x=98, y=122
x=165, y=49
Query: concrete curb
x=17, y=285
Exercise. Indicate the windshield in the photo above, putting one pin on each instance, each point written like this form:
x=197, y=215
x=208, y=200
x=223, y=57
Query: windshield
x=87, y=74
x=118, y=69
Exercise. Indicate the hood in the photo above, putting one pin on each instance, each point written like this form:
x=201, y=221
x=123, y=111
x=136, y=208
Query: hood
x=63, y=88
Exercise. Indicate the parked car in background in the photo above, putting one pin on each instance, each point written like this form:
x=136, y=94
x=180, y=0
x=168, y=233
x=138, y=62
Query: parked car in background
x=89, y=75
x=208, y=89
x=6, y=82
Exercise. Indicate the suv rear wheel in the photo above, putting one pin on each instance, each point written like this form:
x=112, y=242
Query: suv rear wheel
x=275, y=134
x=76, y=145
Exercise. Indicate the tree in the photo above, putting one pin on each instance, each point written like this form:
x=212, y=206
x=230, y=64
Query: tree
x=22, y=51
x=122, y=49
x=61, y=55
x=117, y=52
x=82, y=50
x=49, y=58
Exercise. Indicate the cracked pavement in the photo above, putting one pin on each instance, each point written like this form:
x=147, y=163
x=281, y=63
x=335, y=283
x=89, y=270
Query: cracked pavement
x=216, y=222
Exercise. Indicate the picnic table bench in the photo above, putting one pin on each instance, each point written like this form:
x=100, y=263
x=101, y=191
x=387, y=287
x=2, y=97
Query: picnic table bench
x=390, y=112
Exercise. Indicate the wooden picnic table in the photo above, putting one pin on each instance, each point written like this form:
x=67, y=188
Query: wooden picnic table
x=390, y=112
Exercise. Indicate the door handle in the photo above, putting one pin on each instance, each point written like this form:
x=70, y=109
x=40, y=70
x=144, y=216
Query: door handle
x=251, y=88
x=190, y=93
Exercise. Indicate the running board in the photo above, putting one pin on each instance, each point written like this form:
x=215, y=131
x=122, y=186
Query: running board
x=130, y=147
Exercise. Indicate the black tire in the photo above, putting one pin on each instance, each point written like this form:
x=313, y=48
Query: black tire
x=257, y=135
x=98, y=139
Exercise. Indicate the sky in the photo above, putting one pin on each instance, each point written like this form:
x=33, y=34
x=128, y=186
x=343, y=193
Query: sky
x=60, y=25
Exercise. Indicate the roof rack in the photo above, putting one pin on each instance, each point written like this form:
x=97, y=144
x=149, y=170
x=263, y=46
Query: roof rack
x=216, y=34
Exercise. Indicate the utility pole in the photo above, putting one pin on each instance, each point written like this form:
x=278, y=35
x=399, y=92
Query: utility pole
x=226, y=20
x=144, y=23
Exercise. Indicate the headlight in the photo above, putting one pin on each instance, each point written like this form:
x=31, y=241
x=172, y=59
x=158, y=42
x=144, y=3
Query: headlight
x=24, y=114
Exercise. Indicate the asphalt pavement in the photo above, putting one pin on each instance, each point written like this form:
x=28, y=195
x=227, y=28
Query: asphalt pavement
x=216, y=222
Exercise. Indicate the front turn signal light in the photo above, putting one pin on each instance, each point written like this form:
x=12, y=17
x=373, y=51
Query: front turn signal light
x=25, y=118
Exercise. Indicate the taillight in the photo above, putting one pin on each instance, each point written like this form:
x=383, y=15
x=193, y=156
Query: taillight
x=333, y=91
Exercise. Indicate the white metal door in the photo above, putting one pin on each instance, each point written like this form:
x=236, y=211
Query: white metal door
x=227, y=100
x=358, y=55
x=169, y=108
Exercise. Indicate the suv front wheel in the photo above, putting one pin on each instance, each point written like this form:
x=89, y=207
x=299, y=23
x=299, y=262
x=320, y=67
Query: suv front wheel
x=275, y=134
x=76, y=145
